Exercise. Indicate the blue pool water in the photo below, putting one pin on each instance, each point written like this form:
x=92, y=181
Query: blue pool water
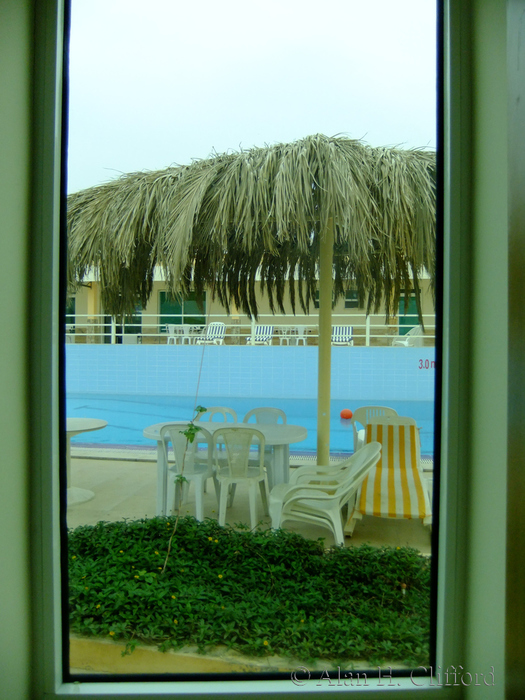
x=128, y=415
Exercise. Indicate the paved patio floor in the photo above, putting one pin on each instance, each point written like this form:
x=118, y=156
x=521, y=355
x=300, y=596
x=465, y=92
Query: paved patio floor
x=126, y=488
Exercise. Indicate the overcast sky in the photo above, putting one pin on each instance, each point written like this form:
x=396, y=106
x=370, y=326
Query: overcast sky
x=160, y=82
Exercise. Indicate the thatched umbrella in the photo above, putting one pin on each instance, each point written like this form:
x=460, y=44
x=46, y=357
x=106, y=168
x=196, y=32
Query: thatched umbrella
x=267, y=214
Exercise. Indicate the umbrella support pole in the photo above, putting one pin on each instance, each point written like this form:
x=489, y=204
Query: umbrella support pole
x=325, y=344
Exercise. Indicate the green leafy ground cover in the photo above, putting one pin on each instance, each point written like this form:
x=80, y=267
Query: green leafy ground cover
x=259, y=593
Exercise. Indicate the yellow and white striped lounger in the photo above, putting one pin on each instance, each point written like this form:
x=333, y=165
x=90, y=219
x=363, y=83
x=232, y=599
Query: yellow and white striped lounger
x=396, y=487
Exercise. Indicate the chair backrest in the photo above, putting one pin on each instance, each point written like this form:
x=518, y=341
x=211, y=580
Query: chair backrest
x=399, y=437
x=174, y=329
x=415, y=337
x=222, y=412
x=386, y=429
x=216, y=331
x=184, y=451
x=238, y=442
x=363, y=414
x=350, y=474
x=359, y=465
x=342, y=334
x=265, y=414
x=392, y=419
x=396, y=489
x=263, y=333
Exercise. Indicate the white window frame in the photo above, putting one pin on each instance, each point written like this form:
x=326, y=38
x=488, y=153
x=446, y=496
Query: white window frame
x=471, y=591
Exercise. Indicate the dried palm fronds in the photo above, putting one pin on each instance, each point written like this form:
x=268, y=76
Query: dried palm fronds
x=224, y=223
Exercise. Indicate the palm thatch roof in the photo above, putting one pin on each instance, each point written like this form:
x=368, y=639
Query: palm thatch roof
x=224, y=223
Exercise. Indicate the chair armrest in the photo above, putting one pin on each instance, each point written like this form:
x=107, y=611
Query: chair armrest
x=310, y=472
x=301, y=491
x=308, y=491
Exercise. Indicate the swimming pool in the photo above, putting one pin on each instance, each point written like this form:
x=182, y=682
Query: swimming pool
x=127, y=416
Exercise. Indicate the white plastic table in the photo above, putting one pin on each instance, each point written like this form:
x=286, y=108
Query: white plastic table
x=75, y=426
x=280, y=436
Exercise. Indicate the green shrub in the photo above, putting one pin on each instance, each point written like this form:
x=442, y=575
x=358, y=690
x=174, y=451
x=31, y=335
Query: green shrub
x=260, y=592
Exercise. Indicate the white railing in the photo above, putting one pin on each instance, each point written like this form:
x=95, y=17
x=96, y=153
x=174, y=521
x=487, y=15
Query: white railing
x=369, y=330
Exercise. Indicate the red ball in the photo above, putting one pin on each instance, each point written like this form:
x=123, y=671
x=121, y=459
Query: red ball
x=346, y=413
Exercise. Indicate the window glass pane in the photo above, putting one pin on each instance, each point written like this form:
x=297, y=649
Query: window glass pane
x=187, y=310
x=351, y=299
x=194, y=312
x=195, y=542
x=170, y=309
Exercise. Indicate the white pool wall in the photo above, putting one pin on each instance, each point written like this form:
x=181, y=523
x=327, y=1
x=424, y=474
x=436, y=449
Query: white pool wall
x=386, y=373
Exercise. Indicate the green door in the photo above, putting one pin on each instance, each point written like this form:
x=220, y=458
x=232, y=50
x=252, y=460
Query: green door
x=170, y=310
x=408, y=317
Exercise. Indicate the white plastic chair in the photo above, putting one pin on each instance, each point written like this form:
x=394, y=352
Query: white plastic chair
x=214, y=335
x=262, y=336
x=265, y=414
x=222, y=412
x=236, y=464
x=342, y=335
x=196, y=333
x=413, y=339
x=194, y=467
x=293, y=335
x=302, y=336
x=362, y=417
x=187, y=337
x=179, y=332
x=287, y=334
x=318, y=494
x=175, y=332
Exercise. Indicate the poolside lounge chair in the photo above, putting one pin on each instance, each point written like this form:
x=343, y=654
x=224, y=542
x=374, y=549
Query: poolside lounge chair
x=396, y=487
x=362, y=416
x=214, y=335
x=263, y=336
x=342, y=335
x=318, y=494
x=413, y=339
